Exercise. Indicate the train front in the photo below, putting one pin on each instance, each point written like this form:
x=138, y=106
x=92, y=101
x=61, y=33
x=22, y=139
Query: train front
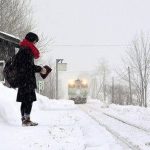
x=78, y=90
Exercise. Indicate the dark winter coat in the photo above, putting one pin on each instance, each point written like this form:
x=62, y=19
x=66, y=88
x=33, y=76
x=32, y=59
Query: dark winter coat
x=26, y=70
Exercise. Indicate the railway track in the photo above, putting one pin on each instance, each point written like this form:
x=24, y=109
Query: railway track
x=108, y=121
x=126, y=122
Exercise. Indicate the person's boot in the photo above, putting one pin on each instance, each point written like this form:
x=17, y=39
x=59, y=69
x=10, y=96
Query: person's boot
x=24, y=122
x=27, y=122
x=31, y=122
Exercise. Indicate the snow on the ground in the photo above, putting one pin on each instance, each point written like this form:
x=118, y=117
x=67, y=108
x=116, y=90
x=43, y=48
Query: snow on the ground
x=62, y=126
x=139, y=116
x=123, y=122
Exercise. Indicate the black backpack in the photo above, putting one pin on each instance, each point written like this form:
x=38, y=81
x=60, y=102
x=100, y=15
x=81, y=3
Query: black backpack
x=10, y=72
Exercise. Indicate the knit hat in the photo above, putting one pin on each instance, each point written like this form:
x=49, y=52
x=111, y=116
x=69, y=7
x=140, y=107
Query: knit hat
x=31, y=37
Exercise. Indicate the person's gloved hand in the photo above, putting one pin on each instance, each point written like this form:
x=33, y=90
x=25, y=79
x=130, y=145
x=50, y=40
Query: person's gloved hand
x=43, y=71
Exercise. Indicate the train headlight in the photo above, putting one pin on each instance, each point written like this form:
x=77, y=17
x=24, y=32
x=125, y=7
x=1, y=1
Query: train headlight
x=84, y=82
x=71, y=83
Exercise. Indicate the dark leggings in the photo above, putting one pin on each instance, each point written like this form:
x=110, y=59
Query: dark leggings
x=26, y=108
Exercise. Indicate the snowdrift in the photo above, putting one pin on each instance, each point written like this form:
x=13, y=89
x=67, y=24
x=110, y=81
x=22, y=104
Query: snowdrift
x=10, y=109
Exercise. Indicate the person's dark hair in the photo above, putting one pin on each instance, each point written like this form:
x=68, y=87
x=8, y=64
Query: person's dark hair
x=32, y=37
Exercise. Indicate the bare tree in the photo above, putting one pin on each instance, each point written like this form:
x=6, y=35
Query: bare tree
x=138, y=59
x=112, y=91
x=44, y=44
x=95, y=87
x=16, y=17
x=121, y=94
x=130, y=90
x=99, y=82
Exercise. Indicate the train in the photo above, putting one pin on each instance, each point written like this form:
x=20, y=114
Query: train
x=78, y=91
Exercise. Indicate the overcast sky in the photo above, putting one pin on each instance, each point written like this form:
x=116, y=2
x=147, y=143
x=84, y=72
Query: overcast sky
x=90, y=30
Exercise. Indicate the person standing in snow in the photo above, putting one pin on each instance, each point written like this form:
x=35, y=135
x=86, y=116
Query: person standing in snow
x=26, y=70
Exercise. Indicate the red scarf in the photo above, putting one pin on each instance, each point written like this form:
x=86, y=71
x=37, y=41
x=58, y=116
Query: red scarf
x=31, y=46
